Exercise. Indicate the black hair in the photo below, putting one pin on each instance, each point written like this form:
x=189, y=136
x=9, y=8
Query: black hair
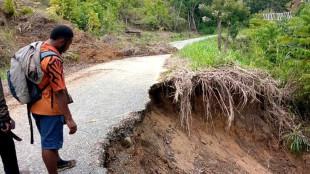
x=61, y=31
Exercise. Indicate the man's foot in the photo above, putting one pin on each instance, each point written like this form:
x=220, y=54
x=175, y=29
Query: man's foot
x=63, y=165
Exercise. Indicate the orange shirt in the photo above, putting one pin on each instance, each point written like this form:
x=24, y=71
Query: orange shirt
x=52, y=67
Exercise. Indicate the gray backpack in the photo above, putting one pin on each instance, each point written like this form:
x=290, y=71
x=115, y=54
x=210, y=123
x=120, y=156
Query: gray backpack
x=25, y=74
x=25, y=65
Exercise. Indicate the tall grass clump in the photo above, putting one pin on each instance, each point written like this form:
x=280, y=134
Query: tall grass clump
x=297, y=141
x=205, y=54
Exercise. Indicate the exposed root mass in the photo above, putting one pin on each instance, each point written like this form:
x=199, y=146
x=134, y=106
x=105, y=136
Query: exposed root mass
x=228, y=90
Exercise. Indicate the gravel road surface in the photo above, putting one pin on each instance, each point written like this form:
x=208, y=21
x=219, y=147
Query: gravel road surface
x=102, y=94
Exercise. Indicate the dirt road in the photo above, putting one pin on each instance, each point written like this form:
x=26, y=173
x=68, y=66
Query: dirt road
x=102, y=94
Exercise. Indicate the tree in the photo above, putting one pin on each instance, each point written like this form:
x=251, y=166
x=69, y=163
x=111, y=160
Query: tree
x=67, y=9
x=191, y=6
x=217, y=10
x=300, y=43
x=237, y=12
x=93, y=23
x=229, y=11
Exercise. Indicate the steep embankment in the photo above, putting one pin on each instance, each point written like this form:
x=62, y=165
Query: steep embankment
x=158, y=143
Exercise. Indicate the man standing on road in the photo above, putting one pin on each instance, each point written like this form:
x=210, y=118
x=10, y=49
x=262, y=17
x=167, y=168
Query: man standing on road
x=52, y=111
x=7, y=146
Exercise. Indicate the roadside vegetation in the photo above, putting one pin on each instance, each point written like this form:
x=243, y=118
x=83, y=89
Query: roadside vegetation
x=157, y=22
x=281, y=48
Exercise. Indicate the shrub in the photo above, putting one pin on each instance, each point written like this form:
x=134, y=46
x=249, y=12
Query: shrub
x=26, y=10
x=93, y=23
x=67, y=9
x=297, y=141
x=9, y=7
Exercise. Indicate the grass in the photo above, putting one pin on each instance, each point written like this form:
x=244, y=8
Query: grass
x=297, y=141
x=3, y=73
x=205, y=54
x=7, y=48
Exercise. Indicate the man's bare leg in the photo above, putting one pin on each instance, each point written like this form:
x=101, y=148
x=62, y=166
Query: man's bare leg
x=50, y=158
x=58, y=157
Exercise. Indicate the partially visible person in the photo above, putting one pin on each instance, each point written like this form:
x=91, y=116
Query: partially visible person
x=51, y=112
x=7, y=146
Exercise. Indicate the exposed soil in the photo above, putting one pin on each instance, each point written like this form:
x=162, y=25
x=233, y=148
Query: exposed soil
x=129, y=48
x=148, y=49
x=159, y=144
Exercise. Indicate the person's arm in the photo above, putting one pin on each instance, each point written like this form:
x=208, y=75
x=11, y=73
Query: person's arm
x=4, y=112
x=62, y=101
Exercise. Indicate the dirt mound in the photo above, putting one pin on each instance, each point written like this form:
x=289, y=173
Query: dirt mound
x=37, y=27
x=149, y=50
x=92, y=49
x=130, y=48
x=160, y=144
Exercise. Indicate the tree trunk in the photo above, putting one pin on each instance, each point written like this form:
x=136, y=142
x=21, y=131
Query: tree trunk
x=227, y=37
x=219, y=34
x=189, y=24
x=194, y=28
x=179, y=13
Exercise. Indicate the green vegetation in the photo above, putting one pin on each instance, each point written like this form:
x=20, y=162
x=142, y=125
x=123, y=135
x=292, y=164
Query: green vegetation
x=112, y=16
x=261, y=5
x=26, y=10
x=280, y=47
x=205, y=53
x=6, y=50
x=9, y=7
x=297, y=141
x=232, y=12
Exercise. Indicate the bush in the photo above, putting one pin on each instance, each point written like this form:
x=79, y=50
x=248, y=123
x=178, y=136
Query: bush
x=9, y=7
x=67, y=9
x=297, y=141
x=208, y=30
x=26, y=10
x=283, y=48
x=93, y=23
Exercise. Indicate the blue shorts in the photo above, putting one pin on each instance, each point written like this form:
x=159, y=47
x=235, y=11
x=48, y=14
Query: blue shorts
x=51, y=130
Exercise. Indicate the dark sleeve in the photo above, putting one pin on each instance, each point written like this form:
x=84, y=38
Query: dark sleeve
x=4, y=113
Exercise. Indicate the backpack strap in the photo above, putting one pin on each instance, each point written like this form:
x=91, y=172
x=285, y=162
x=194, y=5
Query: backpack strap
x=47, y=54
x=30, y=123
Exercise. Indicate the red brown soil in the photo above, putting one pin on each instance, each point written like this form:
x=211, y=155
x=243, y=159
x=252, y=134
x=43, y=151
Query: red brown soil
x=89, y=48
x=159, y=144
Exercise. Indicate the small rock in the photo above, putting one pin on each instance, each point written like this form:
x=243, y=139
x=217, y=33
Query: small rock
x=203, y=141
x=128, y=139
x=129, y=52
x=127, y=142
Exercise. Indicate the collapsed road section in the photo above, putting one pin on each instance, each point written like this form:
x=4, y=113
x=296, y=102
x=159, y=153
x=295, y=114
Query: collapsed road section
x=188, y=128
